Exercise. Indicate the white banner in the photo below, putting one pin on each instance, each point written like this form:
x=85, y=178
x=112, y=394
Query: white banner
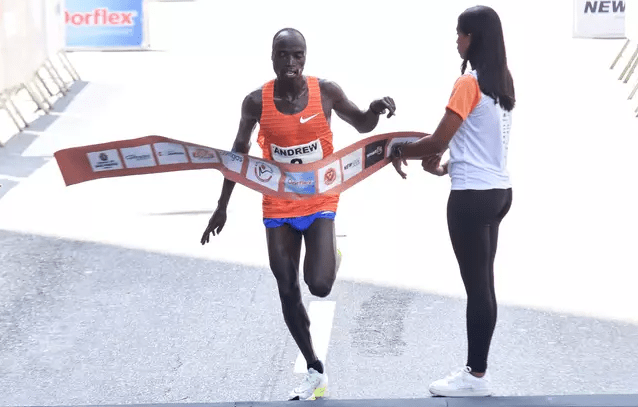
x=36, y=34
x=631, y=21
x=3, y=54
x=54, y=24
x=30, y=32
x=599, y=19
x=24, y=42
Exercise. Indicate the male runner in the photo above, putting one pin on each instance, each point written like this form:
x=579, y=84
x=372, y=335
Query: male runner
x=294, y=112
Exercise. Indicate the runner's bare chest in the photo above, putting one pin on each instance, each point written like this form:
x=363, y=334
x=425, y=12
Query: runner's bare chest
x=291, y=104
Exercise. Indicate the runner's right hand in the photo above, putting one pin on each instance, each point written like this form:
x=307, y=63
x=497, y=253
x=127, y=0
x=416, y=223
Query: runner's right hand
x=215, y=224
x=383, y=105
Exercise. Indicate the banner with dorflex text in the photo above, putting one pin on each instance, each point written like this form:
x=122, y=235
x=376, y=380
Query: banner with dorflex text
x=155, y=154
x=105, y=24
x=599, y=19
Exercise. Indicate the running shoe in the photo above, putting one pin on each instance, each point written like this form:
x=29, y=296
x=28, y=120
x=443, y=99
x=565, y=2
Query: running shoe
x=313, y=386
x=462, y=384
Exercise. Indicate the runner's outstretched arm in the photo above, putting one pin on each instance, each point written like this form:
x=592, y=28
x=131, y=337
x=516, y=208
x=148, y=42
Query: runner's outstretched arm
x=250, y=114
x=364, y=122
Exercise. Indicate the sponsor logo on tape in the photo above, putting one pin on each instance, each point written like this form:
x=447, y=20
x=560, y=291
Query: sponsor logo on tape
x=138, y=157
x=232, y=161
x=170, y=153
x=264, y=173
x=352, y=164
x=106, y=160
x=329, y=176
x=374, y=152
x=300, y=182
x=202, y=155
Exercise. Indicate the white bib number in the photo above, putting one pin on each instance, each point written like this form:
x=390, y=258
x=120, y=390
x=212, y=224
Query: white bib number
x=301, y=154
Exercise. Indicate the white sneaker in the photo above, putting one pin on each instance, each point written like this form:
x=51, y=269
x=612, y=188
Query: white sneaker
x=313, y=386
x=462, y=384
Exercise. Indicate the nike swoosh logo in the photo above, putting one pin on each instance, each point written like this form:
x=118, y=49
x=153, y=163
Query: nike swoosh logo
x=302, y=120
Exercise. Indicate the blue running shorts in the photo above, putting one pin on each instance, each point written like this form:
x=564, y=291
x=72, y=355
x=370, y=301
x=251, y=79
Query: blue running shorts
x=300, y=223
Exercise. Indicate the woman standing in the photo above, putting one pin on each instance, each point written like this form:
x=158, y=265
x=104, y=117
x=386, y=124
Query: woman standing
x=475, y=128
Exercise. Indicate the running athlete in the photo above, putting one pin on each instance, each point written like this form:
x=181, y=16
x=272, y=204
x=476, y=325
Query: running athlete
x=294, y=112
x=475, y=127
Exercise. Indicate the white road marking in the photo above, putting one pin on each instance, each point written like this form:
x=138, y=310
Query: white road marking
x=12, y=178
x=321, y=314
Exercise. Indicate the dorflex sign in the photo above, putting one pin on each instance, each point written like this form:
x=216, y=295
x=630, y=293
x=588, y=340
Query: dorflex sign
x=110, y=24
x=599, y=19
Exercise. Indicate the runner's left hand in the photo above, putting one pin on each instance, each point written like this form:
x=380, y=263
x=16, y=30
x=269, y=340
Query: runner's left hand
x=380, y=106
x=215, y=224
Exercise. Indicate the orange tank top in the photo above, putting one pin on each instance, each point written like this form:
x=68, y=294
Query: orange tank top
x=297, y=138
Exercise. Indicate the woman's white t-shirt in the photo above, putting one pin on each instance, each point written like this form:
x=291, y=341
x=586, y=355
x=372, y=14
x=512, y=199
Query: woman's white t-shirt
x=478, y=150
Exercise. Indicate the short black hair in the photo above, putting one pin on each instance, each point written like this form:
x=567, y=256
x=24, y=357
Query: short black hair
x=287, y=29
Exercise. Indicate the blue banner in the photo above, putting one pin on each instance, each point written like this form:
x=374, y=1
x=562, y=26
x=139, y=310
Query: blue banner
x=104, y=23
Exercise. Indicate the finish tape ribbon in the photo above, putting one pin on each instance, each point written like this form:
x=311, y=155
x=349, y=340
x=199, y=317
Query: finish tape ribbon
x=155, y=154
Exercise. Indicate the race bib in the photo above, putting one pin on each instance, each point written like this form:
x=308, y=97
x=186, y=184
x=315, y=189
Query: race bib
x=301, y=154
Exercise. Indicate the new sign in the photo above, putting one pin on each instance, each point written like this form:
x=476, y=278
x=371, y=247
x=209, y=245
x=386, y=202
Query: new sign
x=599, y=19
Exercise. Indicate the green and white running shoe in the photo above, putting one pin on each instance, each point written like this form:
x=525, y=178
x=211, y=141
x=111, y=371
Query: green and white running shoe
x=313, y=386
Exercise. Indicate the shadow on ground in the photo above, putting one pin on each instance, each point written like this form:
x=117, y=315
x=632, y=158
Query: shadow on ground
x=12, y=163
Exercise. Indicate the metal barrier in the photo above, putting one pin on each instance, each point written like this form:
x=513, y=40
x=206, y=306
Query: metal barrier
x=627, y=57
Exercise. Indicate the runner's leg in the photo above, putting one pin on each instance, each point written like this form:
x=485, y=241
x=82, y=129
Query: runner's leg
x=320, y=264
x=284, y=249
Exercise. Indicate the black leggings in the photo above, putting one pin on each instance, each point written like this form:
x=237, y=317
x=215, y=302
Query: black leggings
x=473, y=218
